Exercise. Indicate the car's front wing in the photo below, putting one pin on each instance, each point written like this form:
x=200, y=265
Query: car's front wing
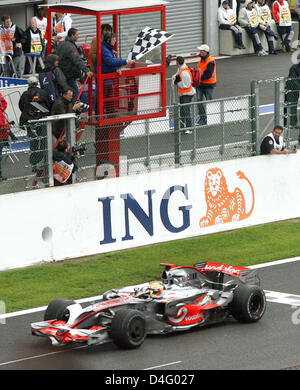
x=60, y=334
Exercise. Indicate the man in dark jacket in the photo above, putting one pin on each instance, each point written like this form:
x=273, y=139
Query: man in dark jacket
x=63, y=105
x=36, y=133
x=71, y=61
x=32, y=42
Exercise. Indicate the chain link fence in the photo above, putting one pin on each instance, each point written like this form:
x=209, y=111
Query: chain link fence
x=24, y=159
x=283, y=95
x=179, y=139
x=290, y=90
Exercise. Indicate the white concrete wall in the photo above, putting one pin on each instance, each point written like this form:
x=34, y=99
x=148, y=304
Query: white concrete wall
x=102, y=216
x=211, y=26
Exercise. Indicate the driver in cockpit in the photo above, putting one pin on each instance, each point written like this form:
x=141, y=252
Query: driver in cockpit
x=152, y=290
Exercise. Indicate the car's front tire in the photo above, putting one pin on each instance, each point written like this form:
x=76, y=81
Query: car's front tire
x=248, y=304
x=128, y=328
x=57, y=309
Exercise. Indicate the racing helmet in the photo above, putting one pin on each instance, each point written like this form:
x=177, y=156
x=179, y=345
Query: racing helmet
x=155, y=289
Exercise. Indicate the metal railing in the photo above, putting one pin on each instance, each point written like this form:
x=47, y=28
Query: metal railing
x=193, y=133
x=283, y=94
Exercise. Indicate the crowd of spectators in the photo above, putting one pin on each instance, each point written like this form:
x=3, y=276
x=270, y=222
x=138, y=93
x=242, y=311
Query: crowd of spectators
x=255, y=16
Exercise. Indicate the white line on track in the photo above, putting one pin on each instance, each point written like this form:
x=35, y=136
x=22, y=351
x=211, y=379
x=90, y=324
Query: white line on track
x=284, y=298
x=40, y=356
x=162, y=365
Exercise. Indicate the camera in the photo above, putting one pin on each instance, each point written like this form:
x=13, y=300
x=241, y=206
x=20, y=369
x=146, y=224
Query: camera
x=37, y=111
x=79, y=149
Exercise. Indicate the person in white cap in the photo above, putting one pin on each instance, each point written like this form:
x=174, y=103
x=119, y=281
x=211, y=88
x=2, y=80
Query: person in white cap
x=33, y=94
x=249, y=20
x=228, y=21
x=208, y=72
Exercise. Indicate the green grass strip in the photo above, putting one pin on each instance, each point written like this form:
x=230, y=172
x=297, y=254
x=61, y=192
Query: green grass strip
x=38, y=285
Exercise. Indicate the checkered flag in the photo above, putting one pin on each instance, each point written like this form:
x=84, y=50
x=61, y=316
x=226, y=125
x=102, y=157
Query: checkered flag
x=147, y=40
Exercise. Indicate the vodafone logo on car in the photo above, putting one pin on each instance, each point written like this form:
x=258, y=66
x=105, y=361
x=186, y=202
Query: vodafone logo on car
x=182, y=312
x=182, y=318
x=227, y=269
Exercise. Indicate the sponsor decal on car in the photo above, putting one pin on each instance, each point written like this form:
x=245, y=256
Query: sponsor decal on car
x=227, y=269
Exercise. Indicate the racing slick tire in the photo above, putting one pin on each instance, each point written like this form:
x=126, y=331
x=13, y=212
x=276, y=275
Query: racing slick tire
x=128, y=329
x=248, y=304
x=56, y=309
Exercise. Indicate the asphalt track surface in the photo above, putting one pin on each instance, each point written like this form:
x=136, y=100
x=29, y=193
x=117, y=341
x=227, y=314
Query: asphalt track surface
x=270, y=344
x=234, y=74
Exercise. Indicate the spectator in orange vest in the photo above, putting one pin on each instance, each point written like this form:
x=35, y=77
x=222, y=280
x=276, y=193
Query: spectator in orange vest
x=228, y=21
x=32, y=42
x=184, y=81
x=62, y=24
x=208, y=71
x=249, y=20
x=283, y=19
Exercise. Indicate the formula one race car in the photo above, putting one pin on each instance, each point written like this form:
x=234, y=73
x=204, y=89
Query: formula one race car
x=187, y=296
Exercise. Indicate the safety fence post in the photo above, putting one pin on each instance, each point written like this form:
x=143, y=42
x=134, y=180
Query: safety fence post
x=279, y=93
x=254, y=115
x=71, y=137
x=50, y=154
x=177, y=135
x=222, y=147
x=148, y=149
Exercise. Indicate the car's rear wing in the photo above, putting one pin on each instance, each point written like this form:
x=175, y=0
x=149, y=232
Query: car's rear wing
x=244, y=274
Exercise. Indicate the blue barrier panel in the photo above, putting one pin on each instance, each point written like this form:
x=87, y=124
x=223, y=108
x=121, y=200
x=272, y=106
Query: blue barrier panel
x=10, y=82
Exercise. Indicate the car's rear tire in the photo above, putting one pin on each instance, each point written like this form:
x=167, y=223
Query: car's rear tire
x=56, y=309
x=128, y=329
x=248, y=304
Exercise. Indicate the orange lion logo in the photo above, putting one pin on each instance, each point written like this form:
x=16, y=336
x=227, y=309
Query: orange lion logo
x=223, y=206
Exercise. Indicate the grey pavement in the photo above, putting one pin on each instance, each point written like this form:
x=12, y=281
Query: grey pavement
x=235, y=73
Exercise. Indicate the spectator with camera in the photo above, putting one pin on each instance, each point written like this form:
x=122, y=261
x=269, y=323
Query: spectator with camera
x=34, y=94
x=64, y=105
x=35, y=132
x=63, y=163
